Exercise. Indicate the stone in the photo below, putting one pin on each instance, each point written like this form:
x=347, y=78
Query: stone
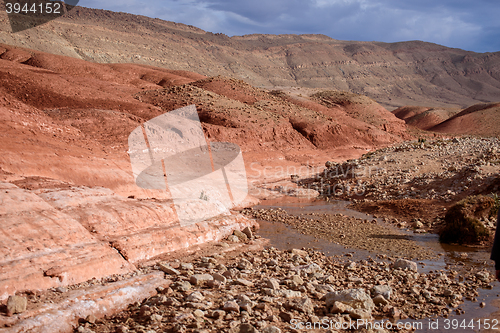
x=232, y=239
x=339, y=307
x=360, y=314
x=144, y=311
x=311, y=268
x=122, y=329
x=182, y=286
x=91, y=319
x=244, y=282
x=248, y=232
x=216, y=314
x=198, y=279
x=297, y=280
x=303, y=304
x=418, y=225
x=186, y=266
x=244, y=328
x=355, y=298
x=301, y=253
x=215, y=284
x=169, y=270
x=383, y=290
x=286, y=316
x=230, y=273
x=271, y=329
x=231, y=306
x=155, y=317
x=241, y=236
x=289, y=293
x=379, y=299
x=272, y=263
x=394, y=313
x=219, y=277
x=198, y=313
x=323, y=288
x=406, y=264
x=246, y=306
x=195, y=297
x=272, y=284
x=272, y=318
x=351, y=266
x=244, y=264
x=483, y=276
x=16, y=304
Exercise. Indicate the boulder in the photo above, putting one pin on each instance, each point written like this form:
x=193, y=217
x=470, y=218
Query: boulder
x=406, y=264
x=355, y=298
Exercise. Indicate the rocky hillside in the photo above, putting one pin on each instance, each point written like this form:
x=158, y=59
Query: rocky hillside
x=407, y=73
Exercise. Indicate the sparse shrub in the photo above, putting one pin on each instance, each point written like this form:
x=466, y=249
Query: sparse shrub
x=496, y=205
x=462, y=224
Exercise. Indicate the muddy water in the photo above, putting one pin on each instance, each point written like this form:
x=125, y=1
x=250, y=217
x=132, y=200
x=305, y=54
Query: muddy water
x=284, y=237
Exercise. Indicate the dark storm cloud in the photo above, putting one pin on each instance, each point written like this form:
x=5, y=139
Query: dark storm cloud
x=471, y=25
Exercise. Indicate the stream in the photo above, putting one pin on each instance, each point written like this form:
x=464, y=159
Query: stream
x=284, y=237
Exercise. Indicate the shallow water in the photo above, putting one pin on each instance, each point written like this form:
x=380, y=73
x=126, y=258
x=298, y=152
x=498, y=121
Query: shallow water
x=284, y=237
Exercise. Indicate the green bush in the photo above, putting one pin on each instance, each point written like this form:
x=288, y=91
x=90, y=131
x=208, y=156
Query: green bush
x=462, y=224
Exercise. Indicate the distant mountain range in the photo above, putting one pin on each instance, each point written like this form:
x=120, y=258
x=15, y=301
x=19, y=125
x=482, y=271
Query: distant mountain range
x=393, y=74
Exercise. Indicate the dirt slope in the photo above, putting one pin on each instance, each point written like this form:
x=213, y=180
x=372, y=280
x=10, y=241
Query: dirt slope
x=393, y=74
x=480, y=119
x=424, y=117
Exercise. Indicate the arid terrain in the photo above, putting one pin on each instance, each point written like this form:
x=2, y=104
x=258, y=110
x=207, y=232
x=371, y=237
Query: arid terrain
x=393, y=74
x=84, y=248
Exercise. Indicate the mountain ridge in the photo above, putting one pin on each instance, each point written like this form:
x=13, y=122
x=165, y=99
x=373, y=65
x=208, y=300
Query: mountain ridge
x=393, y=74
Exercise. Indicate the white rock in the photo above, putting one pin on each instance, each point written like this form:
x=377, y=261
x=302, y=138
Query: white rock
x=406, y=264
x=355, y=298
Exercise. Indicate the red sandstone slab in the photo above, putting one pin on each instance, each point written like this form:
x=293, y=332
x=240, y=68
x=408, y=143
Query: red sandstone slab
x=41, y=247
x=154, y=242
x=141, y=229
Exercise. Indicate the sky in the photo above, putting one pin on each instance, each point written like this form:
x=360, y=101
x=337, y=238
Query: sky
x=472, y=25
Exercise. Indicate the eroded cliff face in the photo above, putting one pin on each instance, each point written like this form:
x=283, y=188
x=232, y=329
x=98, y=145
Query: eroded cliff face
x=394, y=74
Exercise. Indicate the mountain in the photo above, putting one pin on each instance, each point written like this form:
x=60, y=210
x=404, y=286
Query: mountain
x=393, y=74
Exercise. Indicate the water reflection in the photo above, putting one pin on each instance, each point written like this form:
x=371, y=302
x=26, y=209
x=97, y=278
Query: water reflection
x=284, y=237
